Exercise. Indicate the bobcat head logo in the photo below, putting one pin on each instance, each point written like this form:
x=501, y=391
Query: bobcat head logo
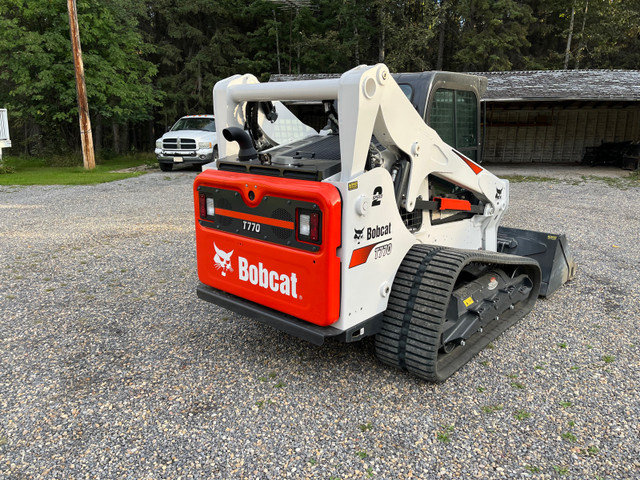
x=223, y=260
x=499, y=193
x=358, y=234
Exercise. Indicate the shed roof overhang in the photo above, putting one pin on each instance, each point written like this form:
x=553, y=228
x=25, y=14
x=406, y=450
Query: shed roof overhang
x=563, y=85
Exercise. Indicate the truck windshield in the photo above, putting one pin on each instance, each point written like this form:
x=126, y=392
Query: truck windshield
x=207, y=124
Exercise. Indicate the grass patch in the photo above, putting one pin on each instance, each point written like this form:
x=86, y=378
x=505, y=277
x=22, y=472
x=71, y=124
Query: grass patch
x=522, y=415
x=45, y=171
x=592, y=450
x=488, y=409
x=444, y=435
x=622, y=183
x=366, y=427
x=529, y=179
x=560, y=470
x=608, y=358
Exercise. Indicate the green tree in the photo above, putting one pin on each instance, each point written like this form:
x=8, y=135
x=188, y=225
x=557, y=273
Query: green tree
x=605, y=34
x=493, y=34
x=37, y=81
x=611, y=36
x=548, y=34
x=197, y=43
x=412, y=30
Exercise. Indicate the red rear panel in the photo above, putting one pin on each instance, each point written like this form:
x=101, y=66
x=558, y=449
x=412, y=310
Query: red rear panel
x=250, y=243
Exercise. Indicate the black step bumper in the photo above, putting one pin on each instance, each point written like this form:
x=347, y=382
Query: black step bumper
x=293, y=326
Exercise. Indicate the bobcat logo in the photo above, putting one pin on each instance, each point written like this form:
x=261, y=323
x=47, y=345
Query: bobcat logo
x=223, y=260
x=358, y=234
x=499, y=193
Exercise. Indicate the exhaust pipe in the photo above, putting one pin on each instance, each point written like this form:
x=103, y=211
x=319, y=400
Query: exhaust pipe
x=247, y=150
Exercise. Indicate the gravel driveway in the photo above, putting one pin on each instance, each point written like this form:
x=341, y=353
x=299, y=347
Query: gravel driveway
x=110, y=367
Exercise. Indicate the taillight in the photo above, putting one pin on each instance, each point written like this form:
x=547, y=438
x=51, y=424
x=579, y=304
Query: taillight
x=309, y=226
x=207, y=206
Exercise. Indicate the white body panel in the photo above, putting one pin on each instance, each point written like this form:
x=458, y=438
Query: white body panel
x=365, y=288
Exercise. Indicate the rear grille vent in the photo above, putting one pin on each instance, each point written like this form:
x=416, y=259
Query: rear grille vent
x=412, y=220
x=282, y=214
x=224, y=204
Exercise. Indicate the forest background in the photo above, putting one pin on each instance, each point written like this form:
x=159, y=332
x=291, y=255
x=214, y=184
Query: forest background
x=149, y=62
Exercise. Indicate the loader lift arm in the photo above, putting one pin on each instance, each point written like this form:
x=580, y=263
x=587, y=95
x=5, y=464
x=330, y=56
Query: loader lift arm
x=371, y=104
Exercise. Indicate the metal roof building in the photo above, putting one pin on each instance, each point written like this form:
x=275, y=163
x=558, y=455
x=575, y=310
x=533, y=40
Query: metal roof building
x=554, y=116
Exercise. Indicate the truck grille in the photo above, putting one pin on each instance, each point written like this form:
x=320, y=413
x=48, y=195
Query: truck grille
x=179, y=144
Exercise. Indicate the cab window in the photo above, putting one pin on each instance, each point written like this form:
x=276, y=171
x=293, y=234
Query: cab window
x=454, y=115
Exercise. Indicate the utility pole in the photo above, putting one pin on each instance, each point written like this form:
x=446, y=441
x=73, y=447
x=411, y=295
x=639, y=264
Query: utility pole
x=83, y=105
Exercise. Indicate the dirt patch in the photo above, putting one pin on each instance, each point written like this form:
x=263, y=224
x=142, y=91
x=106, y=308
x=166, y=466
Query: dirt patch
x=139, y=168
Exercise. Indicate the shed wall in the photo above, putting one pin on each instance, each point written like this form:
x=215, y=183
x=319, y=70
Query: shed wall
x=555, y=134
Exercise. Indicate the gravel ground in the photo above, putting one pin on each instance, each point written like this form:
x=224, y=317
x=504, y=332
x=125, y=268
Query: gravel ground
x=110, y=367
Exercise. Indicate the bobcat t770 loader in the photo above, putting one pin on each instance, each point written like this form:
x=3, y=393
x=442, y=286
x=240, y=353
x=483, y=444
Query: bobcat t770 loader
x=375, y=226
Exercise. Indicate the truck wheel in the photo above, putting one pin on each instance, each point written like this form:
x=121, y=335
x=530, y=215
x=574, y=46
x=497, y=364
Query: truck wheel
x=166, y=167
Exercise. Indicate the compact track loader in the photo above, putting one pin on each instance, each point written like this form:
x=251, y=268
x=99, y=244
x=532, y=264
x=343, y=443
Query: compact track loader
x=374, y=226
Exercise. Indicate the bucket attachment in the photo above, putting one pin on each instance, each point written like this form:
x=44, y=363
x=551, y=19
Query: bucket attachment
x=550, y=251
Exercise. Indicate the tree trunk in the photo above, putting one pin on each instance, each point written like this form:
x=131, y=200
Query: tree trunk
x=124, y=138
x=382, y=41
x=357, y=47
x=442, y=29
x=568, y=50
x=97, y=139
x=275, y=21
x=290, y=40
x=116, y=137
x=151, y=137
x=581, y=45
x=134, y=137
x=26, y=136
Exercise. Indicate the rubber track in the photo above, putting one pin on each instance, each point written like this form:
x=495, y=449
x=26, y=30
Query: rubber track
x=414, y=319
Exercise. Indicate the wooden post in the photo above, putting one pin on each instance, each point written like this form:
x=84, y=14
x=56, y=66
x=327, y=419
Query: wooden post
x=83, y=105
